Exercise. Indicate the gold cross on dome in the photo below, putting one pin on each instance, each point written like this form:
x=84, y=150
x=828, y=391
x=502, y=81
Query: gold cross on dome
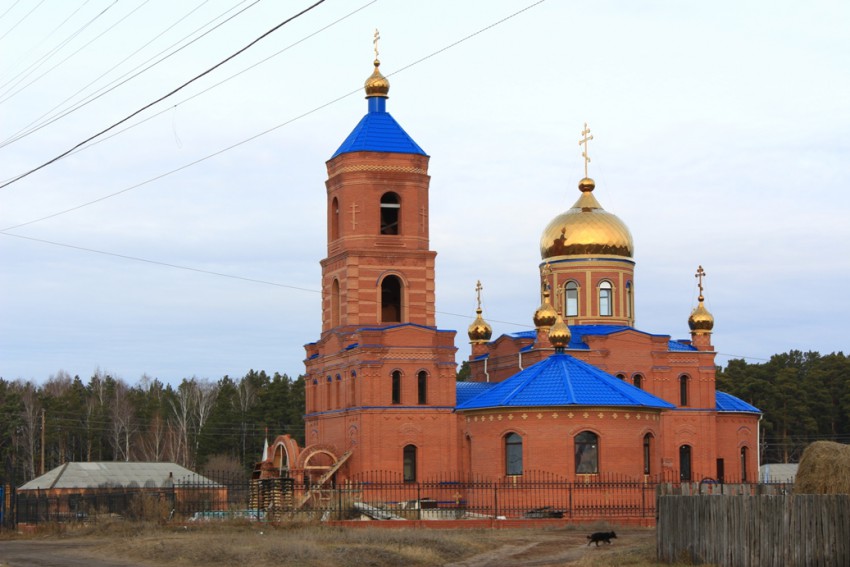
x=375, y=41
x=584, y=139
x=699, y=275
x=478, y=288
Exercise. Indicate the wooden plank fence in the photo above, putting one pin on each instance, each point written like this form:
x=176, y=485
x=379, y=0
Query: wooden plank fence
x=746, y=530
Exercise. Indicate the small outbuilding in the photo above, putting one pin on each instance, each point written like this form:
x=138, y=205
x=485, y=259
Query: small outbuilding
x=778, y=473
x=79, y=490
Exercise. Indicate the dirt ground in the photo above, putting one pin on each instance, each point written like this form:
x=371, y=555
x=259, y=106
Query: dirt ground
x=261, y=546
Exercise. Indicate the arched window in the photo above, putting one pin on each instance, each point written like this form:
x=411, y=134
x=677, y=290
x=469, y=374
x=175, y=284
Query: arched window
x=334, y=219
x=629, y=301
x=621, y=376
x=744, y=464
x=513, y=454
x=335, y=303
x=637, y=380
x=396, y=387
x=312, y=394
x=571, y=299
x=587, y=453
x=683, y=390
x=605, y=292
x=338, y=392
x=391, y=300
x=422, y=387
x=390, y=208
x=647, y=453
x=685, y=463
x=409, y=464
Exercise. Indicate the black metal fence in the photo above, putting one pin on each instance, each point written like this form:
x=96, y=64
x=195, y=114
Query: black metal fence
x=378, y=495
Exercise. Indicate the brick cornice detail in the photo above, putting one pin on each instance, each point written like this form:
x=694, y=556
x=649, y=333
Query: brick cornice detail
x=374, y=167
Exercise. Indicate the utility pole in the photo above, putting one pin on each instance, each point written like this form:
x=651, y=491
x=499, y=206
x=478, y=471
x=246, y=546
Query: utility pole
x=42, y=441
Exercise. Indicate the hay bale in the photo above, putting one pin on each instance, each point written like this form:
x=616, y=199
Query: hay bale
x=824, y=469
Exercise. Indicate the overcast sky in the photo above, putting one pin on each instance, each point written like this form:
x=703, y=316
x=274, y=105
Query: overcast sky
x=720, y=138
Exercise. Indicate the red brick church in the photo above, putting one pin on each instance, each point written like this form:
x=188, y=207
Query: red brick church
x=584, y=395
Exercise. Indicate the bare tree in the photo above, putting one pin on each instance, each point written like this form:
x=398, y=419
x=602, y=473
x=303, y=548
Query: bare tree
x=98, y=386
x=181, y=407
x=155, y=441
x=57, y=385
x=246, y=398
x=205, y=393
x=122, y=421
x=31, y=418
x=96, y=410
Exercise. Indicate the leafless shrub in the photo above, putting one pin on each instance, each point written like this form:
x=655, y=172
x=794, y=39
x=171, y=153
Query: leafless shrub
x=148, y=507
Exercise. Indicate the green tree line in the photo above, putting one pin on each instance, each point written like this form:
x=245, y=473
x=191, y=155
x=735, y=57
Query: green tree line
x=804, y=397
x=199, y=423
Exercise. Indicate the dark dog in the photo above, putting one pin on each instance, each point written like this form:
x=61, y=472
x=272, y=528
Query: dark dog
x=601, y=536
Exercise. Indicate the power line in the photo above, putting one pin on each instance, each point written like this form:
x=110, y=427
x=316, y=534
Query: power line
x=9, y=9
x=78, y=147
x=204, y=91
x=155, y=262
x=27, y=15
x=23, y=57
x=108, y=88
x=160, y=99
x=47, y=56
x=258, y=135
x=210, y=272
x=277, y=284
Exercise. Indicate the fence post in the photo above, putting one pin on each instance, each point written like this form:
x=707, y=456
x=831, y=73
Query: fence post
x=419, y=500
x=495, y=499
x=338, y=502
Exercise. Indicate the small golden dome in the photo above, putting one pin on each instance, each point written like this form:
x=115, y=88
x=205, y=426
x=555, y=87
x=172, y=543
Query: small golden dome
x=586, y=228
x=586, y=184
x=377, y=84
x=701, y=321
x=545, y=316
x=559, y=334
x=479, y=331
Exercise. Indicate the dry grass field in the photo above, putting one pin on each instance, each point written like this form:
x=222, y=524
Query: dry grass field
x=119, y=543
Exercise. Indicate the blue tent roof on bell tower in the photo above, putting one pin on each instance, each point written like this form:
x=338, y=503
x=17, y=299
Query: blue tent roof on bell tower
x=378, y=131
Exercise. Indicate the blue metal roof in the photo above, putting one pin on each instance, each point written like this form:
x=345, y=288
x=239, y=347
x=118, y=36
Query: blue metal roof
x=578, y=332
x=379, y=132
x=562, y=380
x=728, y=402
x=468, y=390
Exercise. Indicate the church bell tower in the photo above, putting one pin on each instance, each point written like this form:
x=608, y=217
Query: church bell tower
x=381, y=366
x=379, y=269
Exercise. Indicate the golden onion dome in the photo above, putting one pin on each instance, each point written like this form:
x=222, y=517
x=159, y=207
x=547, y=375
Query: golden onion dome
x=545, y=316
x=377, y=84
x=559, y=334
x=701, y=321
x=586, y=228
x=479, y=331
